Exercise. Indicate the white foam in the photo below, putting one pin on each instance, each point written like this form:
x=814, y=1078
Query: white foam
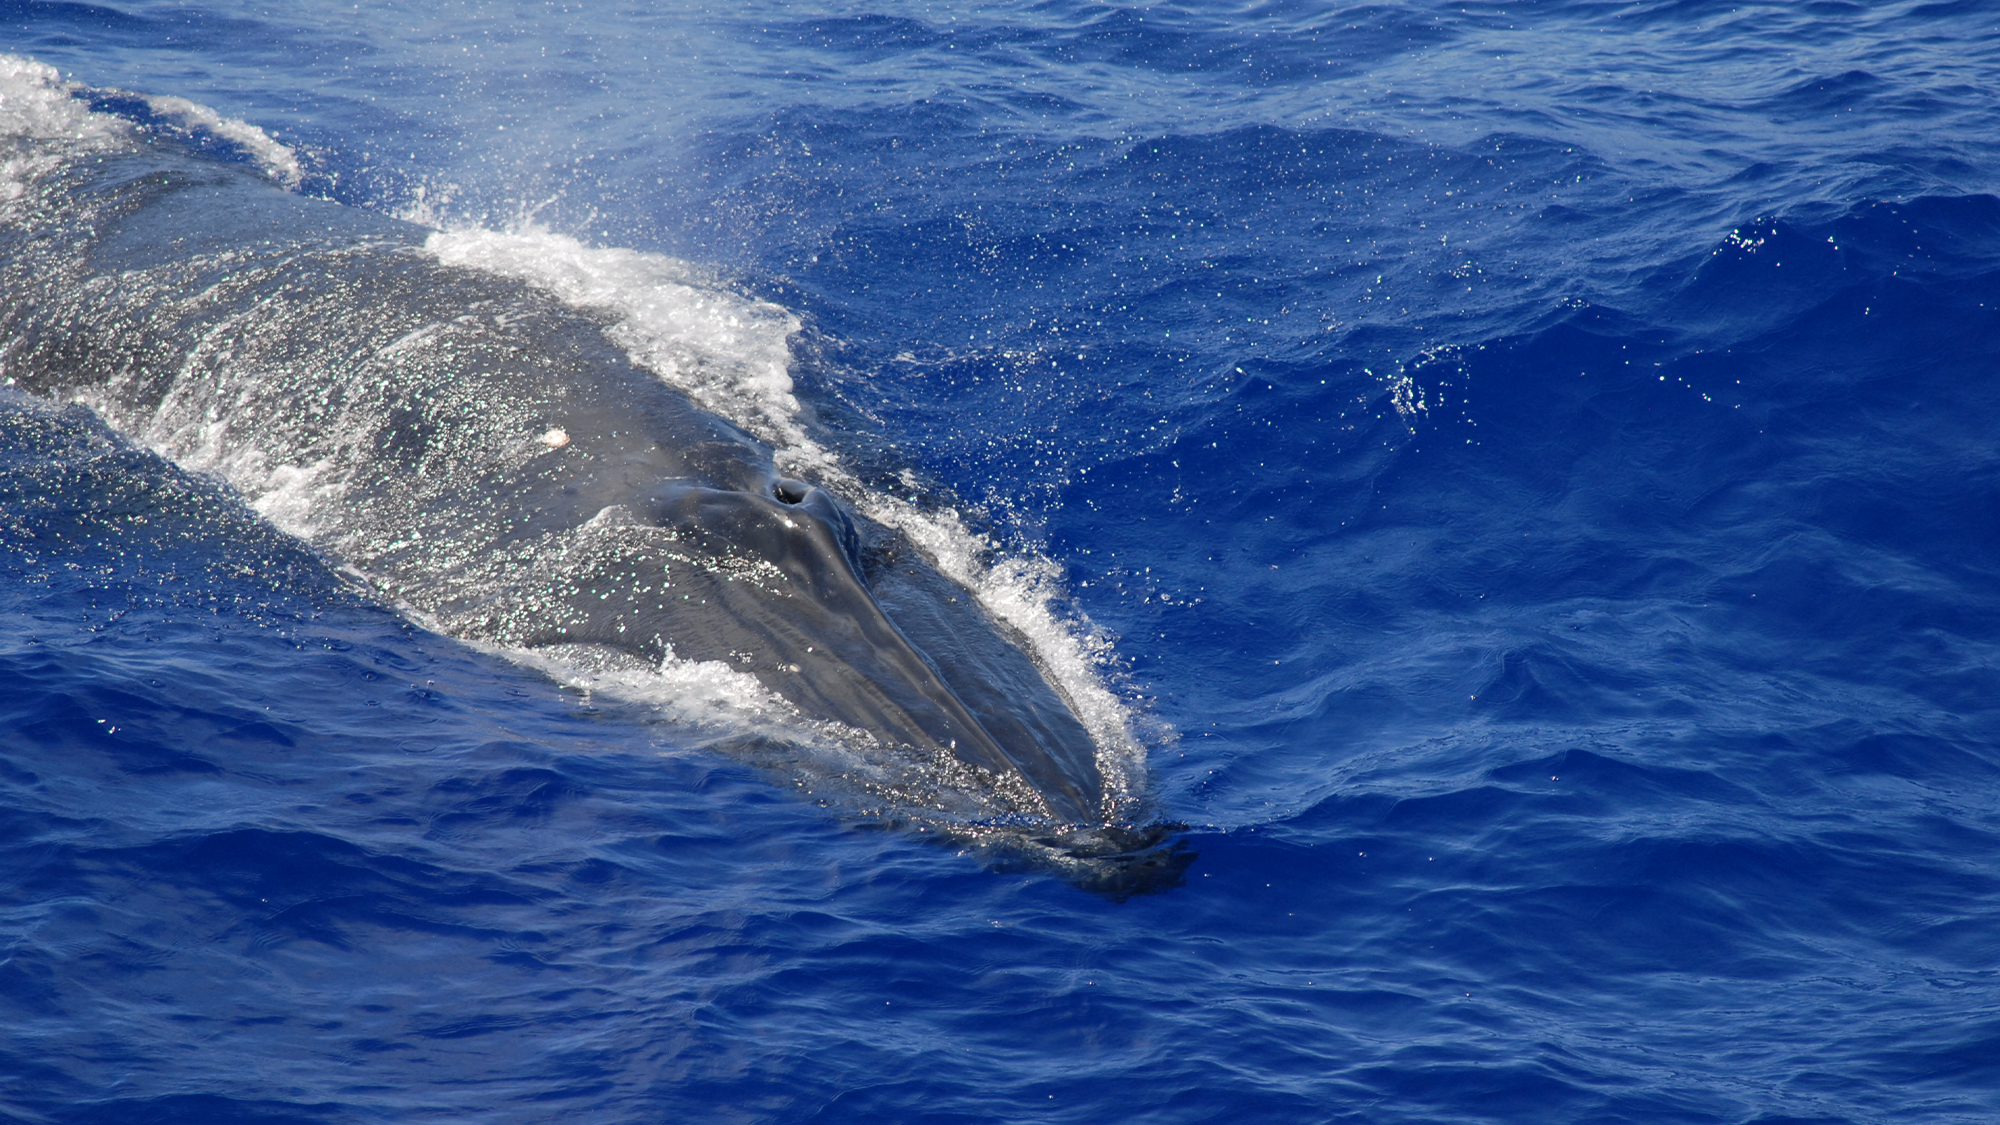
x=276, y=160
x=1020, y=590
x=42, y=124
x=699, y=693
x=729, y=353
x=37, y=105
x=711, y=698
x=732, y=355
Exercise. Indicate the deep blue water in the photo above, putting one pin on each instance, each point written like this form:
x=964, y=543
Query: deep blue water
x=1537, y=464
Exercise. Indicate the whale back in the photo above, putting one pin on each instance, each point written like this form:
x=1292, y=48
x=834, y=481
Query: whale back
x=488, y=459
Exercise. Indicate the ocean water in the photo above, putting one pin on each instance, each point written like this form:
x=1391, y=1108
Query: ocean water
x=1517, y=482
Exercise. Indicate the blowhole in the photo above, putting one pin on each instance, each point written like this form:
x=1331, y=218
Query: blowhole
x=790, y=491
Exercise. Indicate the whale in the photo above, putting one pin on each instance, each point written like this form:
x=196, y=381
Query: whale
x=487, y=458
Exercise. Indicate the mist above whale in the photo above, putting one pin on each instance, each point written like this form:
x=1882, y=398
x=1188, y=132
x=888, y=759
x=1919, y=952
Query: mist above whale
x=490, y=458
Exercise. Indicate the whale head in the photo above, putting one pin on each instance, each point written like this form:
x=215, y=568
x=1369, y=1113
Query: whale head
x=771, y=581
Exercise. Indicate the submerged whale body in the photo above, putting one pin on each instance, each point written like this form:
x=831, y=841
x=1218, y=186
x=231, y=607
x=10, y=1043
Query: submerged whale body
x=486, y=457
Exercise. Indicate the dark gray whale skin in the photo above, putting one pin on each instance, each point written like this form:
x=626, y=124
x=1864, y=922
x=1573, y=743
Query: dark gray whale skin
x=270, y=337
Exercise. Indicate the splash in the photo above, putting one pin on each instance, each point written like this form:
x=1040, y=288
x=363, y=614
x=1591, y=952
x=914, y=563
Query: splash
x=43, y=125
x=46, y=121
x=194, y=121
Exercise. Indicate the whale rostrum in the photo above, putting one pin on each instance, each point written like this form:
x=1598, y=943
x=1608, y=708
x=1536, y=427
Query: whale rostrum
x=488, y=459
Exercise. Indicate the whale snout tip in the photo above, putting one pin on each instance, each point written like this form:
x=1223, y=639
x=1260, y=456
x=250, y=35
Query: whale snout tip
x=1115, y=861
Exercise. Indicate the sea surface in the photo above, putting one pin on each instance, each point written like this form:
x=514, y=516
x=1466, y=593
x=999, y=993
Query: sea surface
x=1525, y=475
